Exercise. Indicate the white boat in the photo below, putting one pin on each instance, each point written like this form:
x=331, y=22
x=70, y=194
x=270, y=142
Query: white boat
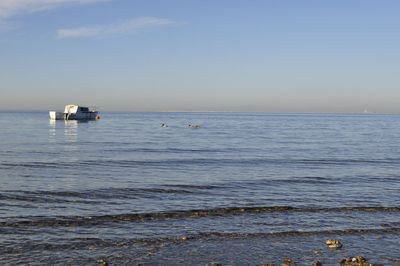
x=75, y=112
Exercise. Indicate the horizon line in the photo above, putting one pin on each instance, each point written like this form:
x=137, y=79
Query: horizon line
x=209, y=111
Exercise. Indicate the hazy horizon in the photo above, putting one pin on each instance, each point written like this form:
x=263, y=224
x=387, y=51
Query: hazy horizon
x=263, y=56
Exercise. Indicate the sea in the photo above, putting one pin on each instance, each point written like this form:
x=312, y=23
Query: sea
x=239, y=189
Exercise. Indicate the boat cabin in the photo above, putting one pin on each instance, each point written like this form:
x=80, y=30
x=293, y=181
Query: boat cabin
x=75, y=112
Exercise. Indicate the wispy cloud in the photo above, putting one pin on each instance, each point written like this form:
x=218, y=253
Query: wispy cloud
x=10, y=8
x=120, y=28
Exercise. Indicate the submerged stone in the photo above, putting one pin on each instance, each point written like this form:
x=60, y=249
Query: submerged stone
x=333, y=243
x=102, y=262
x=288, y=262
x=355, y=261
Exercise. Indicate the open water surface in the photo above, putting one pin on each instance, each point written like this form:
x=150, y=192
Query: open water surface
x=244, y=189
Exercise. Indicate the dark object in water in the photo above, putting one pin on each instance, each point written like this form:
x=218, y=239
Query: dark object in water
x=334, y=243
x=194, y=126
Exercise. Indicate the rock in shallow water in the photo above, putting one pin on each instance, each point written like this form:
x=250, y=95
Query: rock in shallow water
x=356, y=261
x=288, y=262
x=102, y=262
x=334, y=243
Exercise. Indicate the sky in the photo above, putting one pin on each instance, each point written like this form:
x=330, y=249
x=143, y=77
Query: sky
x=201, y=55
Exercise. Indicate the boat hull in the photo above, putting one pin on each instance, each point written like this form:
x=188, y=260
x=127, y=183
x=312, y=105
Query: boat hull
x=78, y=116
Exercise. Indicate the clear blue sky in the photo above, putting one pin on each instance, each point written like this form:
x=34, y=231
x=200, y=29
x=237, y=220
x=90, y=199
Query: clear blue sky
x=201, y=55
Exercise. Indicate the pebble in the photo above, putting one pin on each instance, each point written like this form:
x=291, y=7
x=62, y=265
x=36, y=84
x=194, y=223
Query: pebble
x=102, y=262
x=287, y=262
x=317, y=263
x=334, y=243
x=356, y=261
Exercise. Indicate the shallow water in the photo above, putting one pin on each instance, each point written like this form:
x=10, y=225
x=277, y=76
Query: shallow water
x=245, y=188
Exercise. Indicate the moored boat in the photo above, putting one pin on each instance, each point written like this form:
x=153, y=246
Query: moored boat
x=75, y=112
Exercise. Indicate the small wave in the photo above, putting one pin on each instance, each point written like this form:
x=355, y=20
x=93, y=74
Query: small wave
x=34, y=198
x=32, y=165
x=200, y=161
x=45, y=196
x=288, y=180
x=141, y=217
x=111, y=192
x=191, y=186
x=170, y=150
x=241, y=162
x=294, y=233
x=92, y=242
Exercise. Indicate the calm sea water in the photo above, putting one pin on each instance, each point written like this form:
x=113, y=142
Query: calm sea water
x=244, y=189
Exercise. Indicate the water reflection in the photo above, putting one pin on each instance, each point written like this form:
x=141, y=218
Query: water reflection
x=71, y=130
x=52, y=131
